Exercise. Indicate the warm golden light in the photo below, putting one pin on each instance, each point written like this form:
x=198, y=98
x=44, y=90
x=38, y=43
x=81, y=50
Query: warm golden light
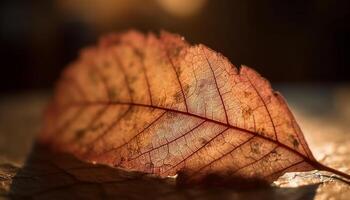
x=97, y=12
x=182, y=8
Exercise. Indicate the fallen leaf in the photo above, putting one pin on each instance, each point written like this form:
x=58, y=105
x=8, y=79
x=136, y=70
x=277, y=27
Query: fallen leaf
x=162, y=106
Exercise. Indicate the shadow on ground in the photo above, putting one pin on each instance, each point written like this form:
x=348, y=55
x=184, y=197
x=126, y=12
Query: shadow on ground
x=48, y=175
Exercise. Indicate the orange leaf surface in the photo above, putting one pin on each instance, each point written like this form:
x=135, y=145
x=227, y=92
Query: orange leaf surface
x=162, y=106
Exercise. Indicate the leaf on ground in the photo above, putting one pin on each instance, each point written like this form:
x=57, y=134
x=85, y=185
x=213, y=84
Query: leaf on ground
x=159, y=105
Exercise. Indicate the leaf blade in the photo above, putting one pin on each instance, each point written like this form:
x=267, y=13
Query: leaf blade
x=185, y=85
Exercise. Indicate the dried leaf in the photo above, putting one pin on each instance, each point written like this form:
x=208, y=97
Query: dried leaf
x=162, y=106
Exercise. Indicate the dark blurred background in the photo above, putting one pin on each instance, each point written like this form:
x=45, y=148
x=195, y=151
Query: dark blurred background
x=293, y=41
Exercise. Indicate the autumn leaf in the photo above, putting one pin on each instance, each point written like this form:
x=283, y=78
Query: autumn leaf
x=162, y=106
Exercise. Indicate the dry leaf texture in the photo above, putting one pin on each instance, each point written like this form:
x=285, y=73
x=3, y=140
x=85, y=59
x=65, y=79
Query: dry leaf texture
x=159, y=105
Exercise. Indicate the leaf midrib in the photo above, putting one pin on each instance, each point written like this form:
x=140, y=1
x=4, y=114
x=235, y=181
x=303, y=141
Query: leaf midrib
x=305, y=158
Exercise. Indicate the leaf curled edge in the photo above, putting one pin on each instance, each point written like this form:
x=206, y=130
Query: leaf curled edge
x=160, y=105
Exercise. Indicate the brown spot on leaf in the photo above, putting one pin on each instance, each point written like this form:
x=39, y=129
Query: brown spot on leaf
x=246, y=113
x=203, y=141
x=80, y=133
x=294, y=141
x=178, y=97
x=255, y=147
x=112, y=93
x=246, y=94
